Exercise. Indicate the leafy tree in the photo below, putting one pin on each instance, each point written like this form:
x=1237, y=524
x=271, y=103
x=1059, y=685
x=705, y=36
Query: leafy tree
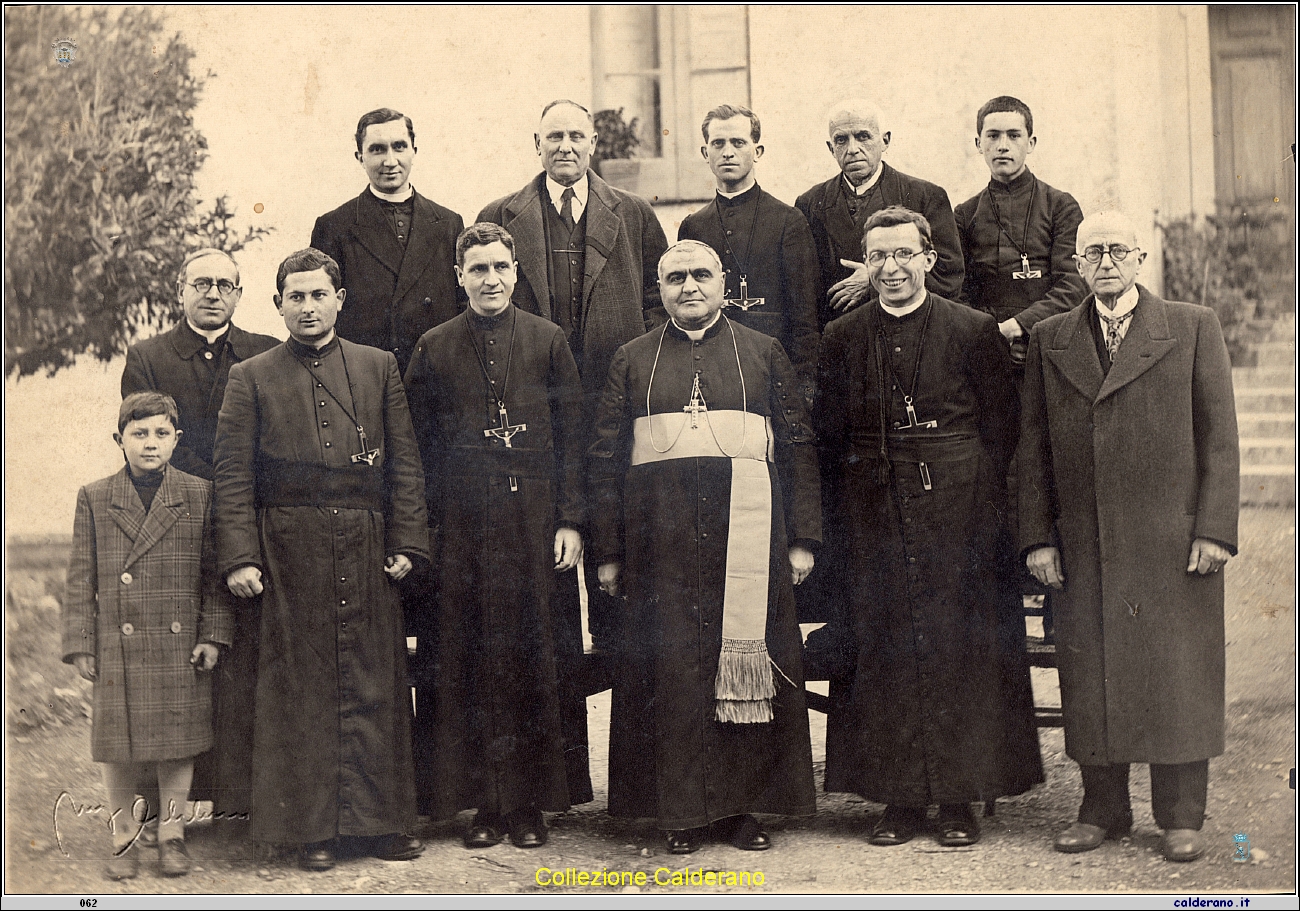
x=100, y=199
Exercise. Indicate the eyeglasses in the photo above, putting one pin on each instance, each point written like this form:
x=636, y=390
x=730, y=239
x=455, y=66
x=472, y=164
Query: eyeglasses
x=1118, y=253
x=204, y=285
x=877, y=258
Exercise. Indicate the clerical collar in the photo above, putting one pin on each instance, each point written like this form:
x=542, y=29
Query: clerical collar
x=400, y=196
x=579, y=194
x=868, y=183
x=488, y=323
x=736, y=199
x=1020, y=182
x=1126, y=302
x=898, y=312
x=208, y=335
x=696, y=334
x=302, y=350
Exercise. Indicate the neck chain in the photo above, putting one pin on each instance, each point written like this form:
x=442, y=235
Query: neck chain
x=743, y=266
x=506, y=430
x=885, y=366
x=365, y=455
x=698, y=405
x=1023, y=247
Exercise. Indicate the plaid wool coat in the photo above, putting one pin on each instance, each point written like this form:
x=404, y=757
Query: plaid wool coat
x=141, y=594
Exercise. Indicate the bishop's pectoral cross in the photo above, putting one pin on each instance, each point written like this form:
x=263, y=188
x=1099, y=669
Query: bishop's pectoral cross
x=504, y=433
x=744, y=302
x=697, y=403
x=1025, y=271
x=912, y=421
x=365, y=455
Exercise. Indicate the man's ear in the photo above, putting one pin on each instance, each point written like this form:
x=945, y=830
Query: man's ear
x=117, y=438
x=179, y=433
x=358, y=154
x=342, y=295
x=537, y=143
x=460, y=276
x=884, y=137
x=704, y=152
x=278, y=305
x=758, y=152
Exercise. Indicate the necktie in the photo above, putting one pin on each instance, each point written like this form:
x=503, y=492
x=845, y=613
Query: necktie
x=566, y=207
x=1113, y=324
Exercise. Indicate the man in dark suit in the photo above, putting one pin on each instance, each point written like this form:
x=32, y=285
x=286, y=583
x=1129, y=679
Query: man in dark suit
x=1128, y=505
x=588, y=255
x=395, y=248
x=837, y=209
x=191, y=363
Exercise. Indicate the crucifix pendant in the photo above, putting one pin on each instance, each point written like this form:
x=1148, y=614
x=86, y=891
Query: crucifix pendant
x=365, y=455
x=744, y=302
x=506, y=430
x=1025, y=271
x=911, y=416
x=697, y=403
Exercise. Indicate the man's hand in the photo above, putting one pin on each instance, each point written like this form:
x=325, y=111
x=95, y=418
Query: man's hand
x=608, y=574
x=397, y=566
x=568, y=549
x=204, y=656
x=1011, y=329
x=847, y=293
x=85, y=665
x=245, y=582
x=1207, y=556
x=1045, y=566
x=801, y=563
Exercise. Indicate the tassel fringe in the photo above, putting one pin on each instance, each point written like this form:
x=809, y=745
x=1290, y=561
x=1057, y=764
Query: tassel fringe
x=744, y=686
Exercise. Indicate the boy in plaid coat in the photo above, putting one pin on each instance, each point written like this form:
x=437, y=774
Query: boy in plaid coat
x=142, y=620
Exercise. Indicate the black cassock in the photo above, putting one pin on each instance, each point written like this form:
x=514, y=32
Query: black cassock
x=488, y=727
x=668, y=520
x=939, y=709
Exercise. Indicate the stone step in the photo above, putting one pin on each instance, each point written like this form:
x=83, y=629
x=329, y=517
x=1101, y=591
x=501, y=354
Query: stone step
x=1265, y=398
x=1263, y=451
x=1268, y=485
x=1266, y=424
x=1263, y=376
x=1275, y=354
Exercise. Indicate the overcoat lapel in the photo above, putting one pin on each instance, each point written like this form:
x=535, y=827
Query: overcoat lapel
x=1145, y=343
x=375, y=234
x=839, y=220
x=419, y=246
x=164, y=512
x=525, y=226
x=125, y=506
x=602, y=231
x=1074, y=354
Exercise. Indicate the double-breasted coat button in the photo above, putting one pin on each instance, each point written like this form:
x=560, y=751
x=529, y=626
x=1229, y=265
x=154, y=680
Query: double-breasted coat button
x=127, y=579
x=207, y=355
x=176, y=626
x=127, y=629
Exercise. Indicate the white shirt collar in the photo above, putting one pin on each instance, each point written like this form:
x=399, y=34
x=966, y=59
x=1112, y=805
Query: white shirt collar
x=727, y=195
x=696, y=334
x=401, y=196
x=869, y=182
x=897, y=312
x=210, y=335
x=556, y=190
x=1126, y=302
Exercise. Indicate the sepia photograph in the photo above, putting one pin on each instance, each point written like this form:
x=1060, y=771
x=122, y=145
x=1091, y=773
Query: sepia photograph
x=639, y=450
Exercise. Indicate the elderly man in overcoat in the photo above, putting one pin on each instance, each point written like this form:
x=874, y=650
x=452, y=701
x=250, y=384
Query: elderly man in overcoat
x=1128, y=502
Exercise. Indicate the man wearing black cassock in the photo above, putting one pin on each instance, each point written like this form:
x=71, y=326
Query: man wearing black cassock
x=320, y=503
x=765, y=245
x=497, y=408
x=916, y=416
x=705, y=509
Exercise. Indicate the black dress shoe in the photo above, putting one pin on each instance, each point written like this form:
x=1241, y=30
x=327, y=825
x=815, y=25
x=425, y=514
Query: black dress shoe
x=686, y=841
x=484, y=832
x=318, y=856
x=742, y=832
x=958, y=827
x=1084, y=836
x=527, y=828
x=397, y=847
x=898, y=826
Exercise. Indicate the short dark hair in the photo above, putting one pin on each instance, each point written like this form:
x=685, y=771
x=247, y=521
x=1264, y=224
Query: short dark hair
x=140, y=405
x=1004, y=104
x=308, y=260
x=559, y=101
x=726, y=112
x=382, y=115
x=892, y=217
x=481, y=235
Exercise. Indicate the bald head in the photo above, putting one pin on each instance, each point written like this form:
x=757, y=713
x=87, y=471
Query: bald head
x=687, y=247
x=1114, y=226
x=1111, y=240
x=853, y=109
x=856, y=141
x=565, y=139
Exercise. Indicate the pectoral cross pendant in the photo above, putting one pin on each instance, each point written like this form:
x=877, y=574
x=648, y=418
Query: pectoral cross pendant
x=911, y=417
x=697, y=403
x=744, y=302
x=1025, y=271
x=506, y=430
x=365, y=455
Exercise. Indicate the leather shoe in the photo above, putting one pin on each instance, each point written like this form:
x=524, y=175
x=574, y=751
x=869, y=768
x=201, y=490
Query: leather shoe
x=125, y=865
x=397, y=847
x=484, y=832
x=527, y=828
x=898, y=826
x=1181, y=845
x=173, y=859
x=743, y=832
x=958, y=827
x=148, y=837
x=317, y=856
x=1083, y=836
x=685, y=841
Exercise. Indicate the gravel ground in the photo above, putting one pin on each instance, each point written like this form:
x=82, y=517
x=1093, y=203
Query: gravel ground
x=1249, y=793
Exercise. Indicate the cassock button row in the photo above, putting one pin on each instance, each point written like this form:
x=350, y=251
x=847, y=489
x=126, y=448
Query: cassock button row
x=176, y=626
x=127, y=629
x=896, y=350
x=344, y=601
x=343, y=578
x=207, y=355
x=126, y=578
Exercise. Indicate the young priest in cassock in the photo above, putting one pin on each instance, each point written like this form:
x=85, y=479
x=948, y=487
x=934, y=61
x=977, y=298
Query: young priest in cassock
x=497, y=405
x=705, y=510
